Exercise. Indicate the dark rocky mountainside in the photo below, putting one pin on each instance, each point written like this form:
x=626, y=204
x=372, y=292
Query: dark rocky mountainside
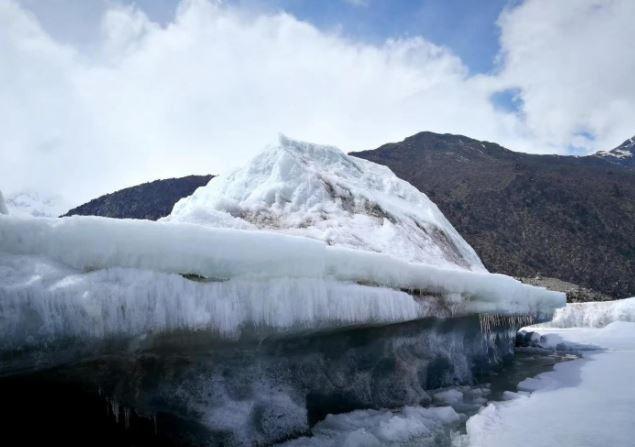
x=151, y=200
x=571, y=218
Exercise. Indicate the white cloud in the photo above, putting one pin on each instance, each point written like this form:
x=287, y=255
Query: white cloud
x=573, y=61
x=215, y=85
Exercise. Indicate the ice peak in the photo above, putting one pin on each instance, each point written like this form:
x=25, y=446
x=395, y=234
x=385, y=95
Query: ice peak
x=320, y=192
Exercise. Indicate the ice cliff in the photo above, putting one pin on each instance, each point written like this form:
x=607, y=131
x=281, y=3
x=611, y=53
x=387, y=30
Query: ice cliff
x=306, y=283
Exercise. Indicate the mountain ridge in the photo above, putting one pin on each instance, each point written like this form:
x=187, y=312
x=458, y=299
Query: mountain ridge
x=563, y=216
x=567, y=217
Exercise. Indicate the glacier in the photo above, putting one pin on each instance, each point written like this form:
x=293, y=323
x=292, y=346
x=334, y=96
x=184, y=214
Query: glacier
x=304, y=284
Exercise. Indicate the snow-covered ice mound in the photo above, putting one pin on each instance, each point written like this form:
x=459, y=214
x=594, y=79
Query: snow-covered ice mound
x=594, y=314
x=320, y=192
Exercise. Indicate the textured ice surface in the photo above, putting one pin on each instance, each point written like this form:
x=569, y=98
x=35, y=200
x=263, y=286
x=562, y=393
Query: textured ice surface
x=370, y=428
x=594, y=314
x=320, y=192
x=43, y=301
x=93, y=243
x=585, y=402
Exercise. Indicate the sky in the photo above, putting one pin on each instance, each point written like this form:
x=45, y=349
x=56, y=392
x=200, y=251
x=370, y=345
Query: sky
x=103, y=94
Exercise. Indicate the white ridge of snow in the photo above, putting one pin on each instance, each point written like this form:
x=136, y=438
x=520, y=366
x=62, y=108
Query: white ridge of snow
x=593, y=314
x=3, y=206
x=319, y=192
x=87, y=243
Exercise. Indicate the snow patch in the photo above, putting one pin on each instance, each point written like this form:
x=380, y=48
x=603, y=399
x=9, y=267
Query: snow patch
x=593, y=314
x=580, y=403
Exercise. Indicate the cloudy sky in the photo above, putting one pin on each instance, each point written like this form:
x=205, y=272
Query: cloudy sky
x=102, y=94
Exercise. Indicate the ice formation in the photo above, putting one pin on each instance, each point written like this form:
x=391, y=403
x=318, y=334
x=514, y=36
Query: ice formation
x=267, y=300
x=321, y=193
x=304, y=237
x=594, y=314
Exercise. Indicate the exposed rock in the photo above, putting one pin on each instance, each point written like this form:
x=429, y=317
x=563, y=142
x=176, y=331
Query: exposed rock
x=151, y=200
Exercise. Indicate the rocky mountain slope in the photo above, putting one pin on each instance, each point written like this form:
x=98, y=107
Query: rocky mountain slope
x=567, y=217
x=150, y=200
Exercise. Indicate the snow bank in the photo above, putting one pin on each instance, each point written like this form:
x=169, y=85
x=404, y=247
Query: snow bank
x=321, y=193
x=579, y=403
x=89, y=243
x=3, y=206
x=594, y=314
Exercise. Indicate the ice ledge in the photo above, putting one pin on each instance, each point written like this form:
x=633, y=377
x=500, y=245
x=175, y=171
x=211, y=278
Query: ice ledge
x=93, y=243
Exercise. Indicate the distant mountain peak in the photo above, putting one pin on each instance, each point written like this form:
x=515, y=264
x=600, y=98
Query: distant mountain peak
x=624, y=154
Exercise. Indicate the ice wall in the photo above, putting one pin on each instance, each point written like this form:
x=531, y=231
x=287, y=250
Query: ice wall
x=92, y=243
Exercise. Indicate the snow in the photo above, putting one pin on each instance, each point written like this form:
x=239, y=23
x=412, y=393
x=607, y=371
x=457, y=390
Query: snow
x=321, y=193
x=3, y=206
x=370, y=428
x=32, y=203
x=594, y=314
x=584, y=402
x=87, y=243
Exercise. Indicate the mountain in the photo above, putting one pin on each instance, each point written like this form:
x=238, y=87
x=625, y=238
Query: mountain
x=567, y=217
x=623, y=155
x=151, y=200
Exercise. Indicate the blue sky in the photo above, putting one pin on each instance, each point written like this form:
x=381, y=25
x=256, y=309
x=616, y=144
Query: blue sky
x=467, y=27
